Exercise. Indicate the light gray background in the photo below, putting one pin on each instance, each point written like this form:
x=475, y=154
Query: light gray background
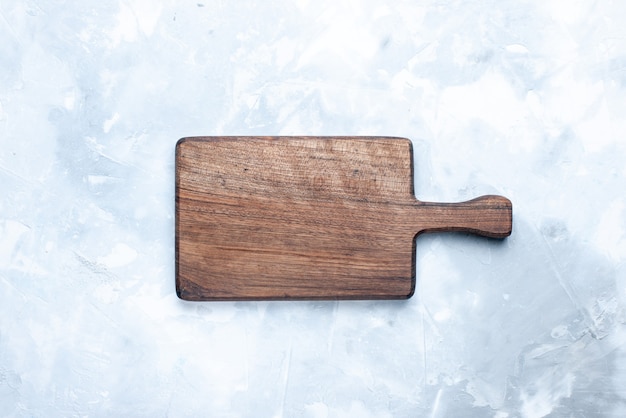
x=524, y=99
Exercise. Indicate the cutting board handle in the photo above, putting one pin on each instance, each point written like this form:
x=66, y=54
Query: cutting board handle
x=489, y=216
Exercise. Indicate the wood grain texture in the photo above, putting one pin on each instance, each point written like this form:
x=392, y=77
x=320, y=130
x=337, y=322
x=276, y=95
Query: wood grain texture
x=308, y=218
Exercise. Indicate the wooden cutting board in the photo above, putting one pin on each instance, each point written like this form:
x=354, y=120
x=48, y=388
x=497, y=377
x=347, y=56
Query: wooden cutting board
x=308, y=218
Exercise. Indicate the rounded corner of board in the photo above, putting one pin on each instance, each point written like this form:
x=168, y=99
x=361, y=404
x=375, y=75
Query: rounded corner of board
x=182, y=141
x=401, y=138
x=182, y=292
x=411, y=292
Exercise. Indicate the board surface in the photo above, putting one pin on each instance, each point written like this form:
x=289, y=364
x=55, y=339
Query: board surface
x=307, y=218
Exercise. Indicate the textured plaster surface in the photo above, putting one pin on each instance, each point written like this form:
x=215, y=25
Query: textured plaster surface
x=520, y=98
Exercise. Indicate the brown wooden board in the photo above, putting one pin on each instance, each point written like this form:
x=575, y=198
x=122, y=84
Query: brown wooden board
x=307, y=218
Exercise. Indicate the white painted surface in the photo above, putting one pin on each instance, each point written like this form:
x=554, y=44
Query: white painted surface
x=524, y=99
